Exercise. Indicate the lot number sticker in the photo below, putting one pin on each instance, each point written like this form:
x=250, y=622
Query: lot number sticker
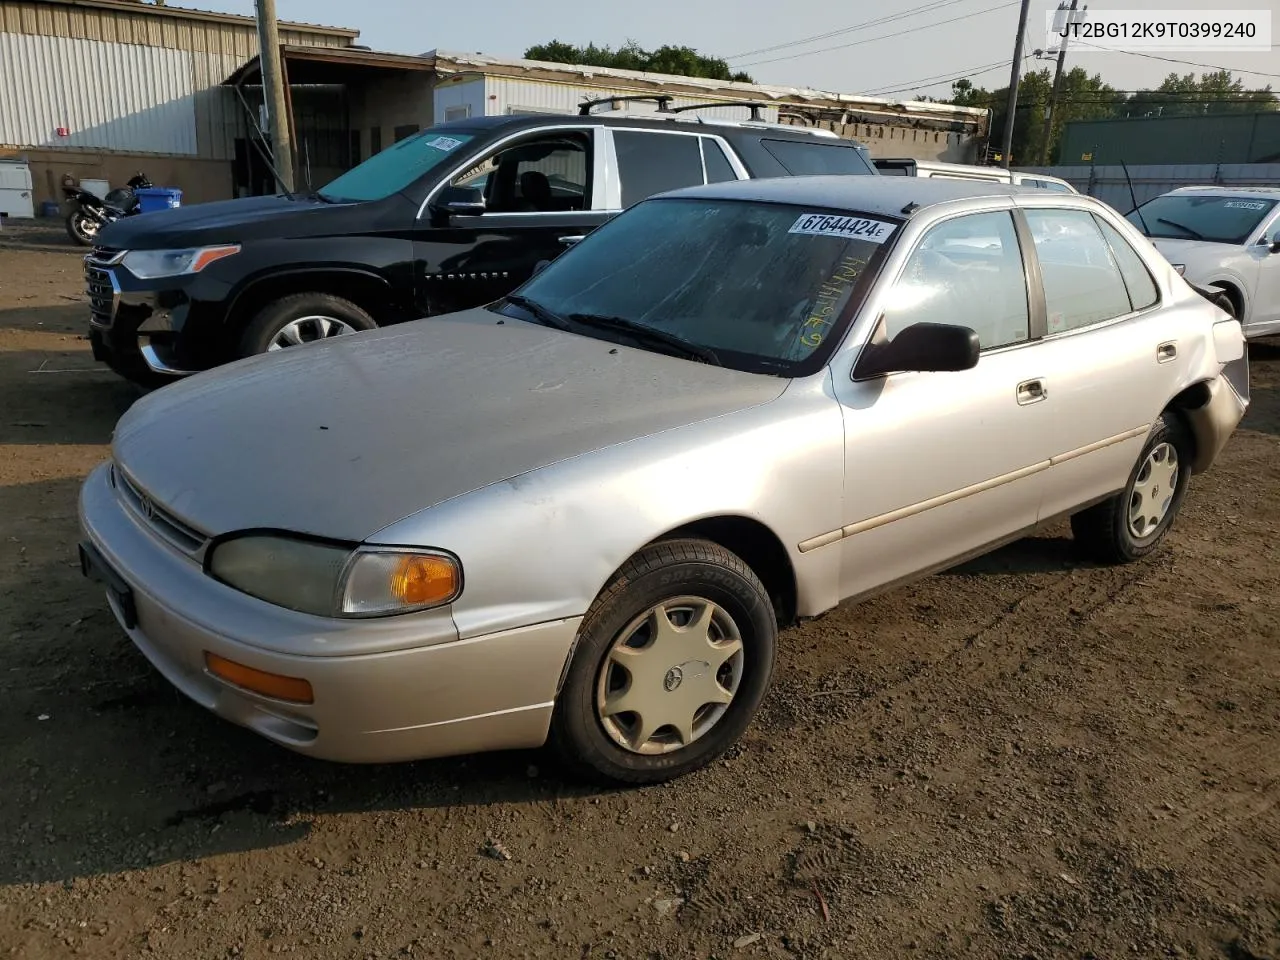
x=850, y=228
x=444, y=143
x=1244, y=205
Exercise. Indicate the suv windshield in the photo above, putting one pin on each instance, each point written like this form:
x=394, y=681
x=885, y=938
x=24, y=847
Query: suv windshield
x=756, y=286
x=1218, y=219
x=394, y=168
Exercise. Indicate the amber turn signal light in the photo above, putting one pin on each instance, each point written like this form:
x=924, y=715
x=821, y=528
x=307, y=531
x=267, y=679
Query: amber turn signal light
x=420, y=580
x=292, y=689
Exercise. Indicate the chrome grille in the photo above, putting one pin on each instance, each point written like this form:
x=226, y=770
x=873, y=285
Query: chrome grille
x=100, y=285
x=165, y=525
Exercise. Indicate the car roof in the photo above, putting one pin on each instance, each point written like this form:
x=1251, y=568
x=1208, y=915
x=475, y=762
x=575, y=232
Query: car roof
x=689, y=120
x=887, y=196
x=1209, y=190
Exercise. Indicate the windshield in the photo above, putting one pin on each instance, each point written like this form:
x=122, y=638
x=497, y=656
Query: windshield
x=763, y=287
x=394, y=168
x=1218, y=219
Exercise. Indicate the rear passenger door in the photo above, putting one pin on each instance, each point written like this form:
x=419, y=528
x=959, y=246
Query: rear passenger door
x=647, y=162
x=1111, y=357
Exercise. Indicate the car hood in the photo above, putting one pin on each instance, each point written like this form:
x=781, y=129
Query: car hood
x=344, y=437
x=1196, y=253
x=223, y=221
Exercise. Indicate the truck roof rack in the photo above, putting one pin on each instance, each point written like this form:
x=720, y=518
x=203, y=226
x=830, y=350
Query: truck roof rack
x=753, y=105
x=662, y=100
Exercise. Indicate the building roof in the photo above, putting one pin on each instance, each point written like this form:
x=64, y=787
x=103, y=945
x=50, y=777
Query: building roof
x=192, y=13
x=452, y=62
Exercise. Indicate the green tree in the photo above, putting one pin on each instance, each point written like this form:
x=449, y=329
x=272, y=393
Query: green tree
x=680, y=61
x=1213, y=93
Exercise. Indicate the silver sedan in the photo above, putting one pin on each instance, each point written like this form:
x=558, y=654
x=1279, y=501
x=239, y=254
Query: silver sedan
x=583, y=513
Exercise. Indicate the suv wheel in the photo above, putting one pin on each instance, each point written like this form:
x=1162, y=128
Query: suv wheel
x=302, y=318
x=672, y=661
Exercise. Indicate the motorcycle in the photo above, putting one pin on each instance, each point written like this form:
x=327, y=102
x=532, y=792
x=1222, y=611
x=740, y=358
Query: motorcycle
x=91, y=213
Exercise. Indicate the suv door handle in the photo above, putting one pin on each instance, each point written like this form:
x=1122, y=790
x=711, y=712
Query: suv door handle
x=1166, y=352
x=570, y=241
x=1031, y=391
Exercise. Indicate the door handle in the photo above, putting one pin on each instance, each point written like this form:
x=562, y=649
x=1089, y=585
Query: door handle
x=1166, y=352
x=570, y=241
x=1031, y=391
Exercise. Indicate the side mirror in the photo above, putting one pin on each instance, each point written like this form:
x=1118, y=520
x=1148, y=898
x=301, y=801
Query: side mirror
x=1274, y=245
x=921, y=347
x=460, y=201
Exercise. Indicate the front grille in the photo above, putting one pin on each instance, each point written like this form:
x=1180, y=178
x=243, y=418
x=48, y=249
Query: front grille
x=165, y=525
x=101, y=287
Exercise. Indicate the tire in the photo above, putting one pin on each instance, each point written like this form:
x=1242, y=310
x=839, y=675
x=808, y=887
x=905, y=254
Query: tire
x=1105, y=532
x=710, y=585
x=82, y=228
x=266, y=329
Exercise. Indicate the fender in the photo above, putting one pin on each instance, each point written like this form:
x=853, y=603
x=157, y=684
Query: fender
x=289, y=273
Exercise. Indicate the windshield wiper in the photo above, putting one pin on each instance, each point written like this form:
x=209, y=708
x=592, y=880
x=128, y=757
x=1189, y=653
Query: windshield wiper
x=548, y=318
x=653, y=337
x=1194, y=234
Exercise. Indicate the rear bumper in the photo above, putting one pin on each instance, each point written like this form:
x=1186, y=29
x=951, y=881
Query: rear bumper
x=1213, y=422
x=421, y=692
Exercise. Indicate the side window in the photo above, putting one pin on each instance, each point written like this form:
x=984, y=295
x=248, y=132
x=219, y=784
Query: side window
x=968, y=272
x=1082, y=282
x=539, y=175
x=650, y=163
x=1137, y=278
x=716, y=163
x=802, y=159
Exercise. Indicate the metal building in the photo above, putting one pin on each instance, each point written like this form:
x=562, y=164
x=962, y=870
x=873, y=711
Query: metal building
x=98, y=89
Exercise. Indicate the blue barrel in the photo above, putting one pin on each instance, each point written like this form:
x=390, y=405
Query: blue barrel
x=50, y=208
x=151, y=199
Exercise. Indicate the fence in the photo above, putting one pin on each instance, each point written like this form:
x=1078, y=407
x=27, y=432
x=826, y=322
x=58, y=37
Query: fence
x=1107, y=181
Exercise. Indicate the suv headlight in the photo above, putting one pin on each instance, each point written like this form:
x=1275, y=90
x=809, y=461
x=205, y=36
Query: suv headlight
x=331, y=580
x=151, y=264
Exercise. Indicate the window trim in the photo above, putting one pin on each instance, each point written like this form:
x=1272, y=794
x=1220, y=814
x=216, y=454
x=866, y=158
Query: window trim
x=1122, y=318
x=591, y=130
x=1031, y=281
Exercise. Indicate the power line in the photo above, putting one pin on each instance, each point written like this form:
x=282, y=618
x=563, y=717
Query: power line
x=887, y=36
x=1188, y=63
x=849, y=29
x=963, y=73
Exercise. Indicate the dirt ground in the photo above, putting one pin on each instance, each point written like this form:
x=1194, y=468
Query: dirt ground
x=1029, y=757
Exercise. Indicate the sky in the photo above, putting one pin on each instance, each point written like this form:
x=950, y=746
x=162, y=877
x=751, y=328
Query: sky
x=922, y=59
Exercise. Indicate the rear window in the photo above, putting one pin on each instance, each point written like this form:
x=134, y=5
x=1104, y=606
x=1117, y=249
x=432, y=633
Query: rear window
x=802, y=159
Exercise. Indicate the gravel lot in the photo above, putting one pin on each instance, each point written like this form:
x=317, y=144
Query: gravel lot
x=1026, y=757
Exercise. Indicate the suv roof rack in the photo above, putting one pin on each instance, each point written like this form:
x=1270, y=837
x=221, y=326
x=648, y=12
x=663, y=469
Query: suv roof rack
x=662, y=100
x=754, y=106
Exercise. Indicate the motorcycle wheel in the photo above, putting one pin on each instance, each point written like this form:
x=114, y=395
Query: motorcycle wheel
x=82, y=228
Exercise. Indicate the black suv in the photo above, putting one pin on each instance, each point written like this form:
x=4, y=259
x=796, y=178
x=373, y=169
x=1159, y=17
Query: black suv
x=454, y=217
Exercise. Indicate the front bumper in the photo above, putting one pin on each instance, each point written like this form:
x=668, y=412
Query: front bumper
x=420, y=693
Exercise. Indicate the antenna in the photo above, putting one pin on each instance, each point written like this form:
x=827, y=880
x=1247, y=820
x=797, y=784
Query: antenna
x=1133, y=198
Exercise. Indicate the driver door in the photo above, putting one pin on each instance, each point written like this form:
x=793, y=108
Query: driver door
x=540, y=196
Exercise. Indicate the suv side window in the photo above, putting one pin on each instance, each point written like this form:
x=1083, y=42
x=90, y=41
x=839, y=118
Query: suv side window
x=801, y=159
x=550, y=173
x=966, y=271
x=1082, y=282
x=1137, y=278
x=650, y=163
x=716, y=163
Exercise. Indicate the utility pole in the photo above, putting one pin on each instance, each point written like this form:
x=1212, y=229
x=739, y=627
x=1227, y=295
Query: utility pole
x=1014, y=75
x=273, y=91
x=1057, y=80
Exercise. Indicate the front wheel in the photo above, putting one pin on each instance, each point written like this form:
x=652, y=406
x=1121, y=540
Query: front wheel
x=1131, y=524
x=82, y=228
x=672, y=662
x=302, y=318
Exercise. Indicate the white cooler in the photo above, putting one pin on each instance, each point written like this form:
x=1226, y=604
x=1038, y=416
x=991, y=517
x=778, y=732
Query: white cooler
x=15, y=190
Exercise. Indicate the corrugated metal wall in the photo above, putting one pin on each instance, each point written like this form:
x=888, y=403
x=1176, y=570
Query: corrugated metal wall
x=514, y=95
x=1108, y=183
x=148, y=27
x=111, y=96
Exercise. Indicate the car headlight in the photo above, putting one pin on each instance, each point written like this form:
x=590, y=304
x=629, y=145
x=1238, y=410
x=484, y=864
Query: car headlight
x=151, y=264
x=1181, y=268
x=331, y=580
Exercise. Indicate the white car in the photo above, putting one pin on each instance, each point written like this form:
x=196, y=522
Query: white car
x=937, y=169
x=1226, y=238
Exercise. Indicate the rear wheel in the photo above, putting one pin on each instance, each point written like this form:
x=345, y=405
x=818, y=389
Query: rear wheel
x=1131, y=524
x=302, y=318
x=672, y=662
x=82, y=228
